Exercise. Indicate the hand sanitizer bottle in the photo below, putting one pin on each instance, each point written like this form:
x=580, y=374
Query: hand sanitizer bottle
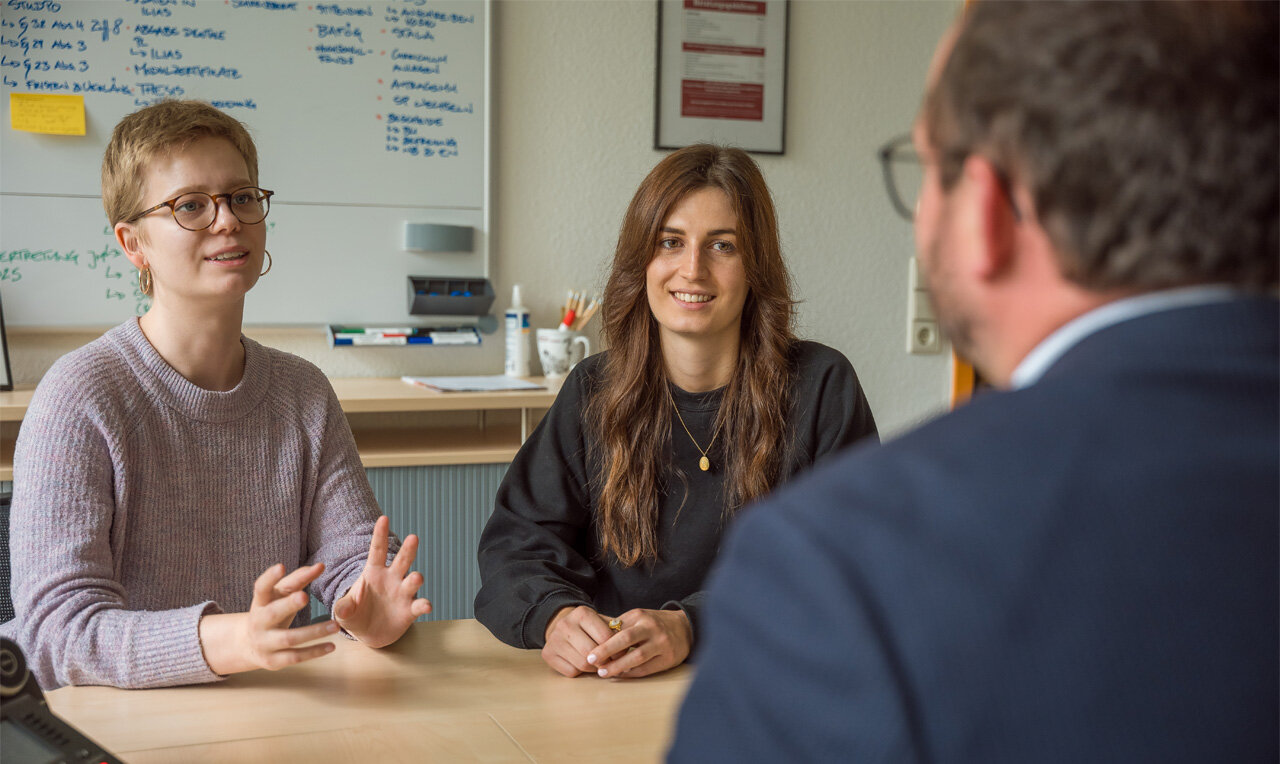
x=517, y=321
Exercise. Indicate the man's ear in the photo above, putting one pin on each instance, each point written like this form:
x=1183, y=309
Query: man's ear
x=994, y=216
x=131, y=242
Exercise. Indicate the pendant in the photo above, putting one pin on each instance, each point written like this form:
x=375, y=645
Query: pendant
x=704, y=464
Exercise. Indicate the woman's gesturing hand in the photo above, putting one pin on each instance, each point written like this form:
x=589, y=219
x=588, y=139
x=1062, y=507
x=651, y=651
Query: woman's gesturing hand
x=383, y=602
x=649, y=641
x=261, y=638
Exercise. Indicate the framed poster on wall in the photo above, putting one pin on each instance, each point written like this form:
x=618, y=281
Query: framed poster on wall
x=722, y=74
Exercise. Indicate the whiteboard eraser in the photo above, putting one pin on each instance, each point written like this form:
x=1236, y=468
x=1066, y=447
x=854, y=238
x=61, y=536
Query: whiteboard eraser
x=437, y=237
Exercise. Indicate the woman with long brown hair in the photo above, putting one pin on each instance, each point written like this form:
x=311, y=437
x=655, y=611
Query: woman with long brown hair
x=611, y=514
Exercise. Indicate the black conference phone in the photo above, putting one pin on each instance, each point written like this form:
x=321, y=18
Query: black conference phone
x=29, y=732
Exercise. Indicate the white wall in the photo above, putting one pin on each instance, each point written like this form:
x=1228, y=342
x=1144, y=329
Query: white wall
x=573, y=125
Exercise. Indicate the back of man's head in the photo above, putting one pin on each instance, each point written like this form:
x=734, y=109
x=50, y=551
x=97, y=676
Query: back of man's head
x=1146, y=133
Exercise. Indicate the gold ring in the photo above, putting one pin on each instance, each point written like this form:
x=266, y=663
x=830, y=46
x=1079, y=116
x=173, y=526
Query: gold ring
x=616, y=624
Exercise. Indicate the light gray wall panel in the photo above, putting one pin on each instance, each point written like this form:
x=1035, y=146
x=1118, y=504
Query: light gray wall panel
x=447, y=506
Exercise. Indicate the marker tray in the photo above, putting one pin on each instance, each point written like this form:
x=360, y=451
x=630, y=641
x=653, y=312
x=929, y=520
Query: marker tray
x=449, y=296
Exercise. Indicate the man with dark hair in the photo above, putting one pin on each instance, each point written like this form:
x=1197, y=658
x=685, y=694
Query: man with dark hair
x=1082, y=565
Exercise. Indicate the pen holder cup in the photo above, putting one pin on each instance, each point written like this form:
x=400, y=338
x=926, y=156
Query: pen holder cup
x=560, y=351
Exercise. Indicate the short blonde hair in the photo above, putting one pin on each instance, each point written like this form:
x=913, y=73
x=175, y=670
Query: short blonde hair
x=159, y=130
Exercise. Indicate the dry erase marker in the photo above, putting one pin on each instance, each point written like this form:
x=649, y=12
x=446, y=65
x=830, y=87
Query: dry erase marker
x=346, y=330
x=378, y=340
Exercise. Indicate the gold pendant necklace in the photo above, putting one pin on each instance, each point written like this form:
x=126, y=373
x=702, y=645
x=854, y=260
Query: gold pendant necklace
x=704, y=463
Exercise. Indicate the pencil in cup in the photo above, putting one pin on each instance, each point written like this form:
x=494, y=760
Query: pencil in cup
x=569, y=301
x=587, y=313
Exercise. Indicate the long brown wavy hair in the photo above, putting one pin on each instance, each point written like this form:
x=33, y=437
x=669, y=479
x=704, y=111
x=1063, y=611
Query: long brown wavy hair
x=630, y=413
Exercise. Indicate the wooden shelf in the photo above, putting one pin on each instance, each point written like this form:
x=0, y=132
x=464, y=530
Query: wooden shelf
x=13, y=403
x=413, y=447
x=6, y=454
x=379, y=445
x=374, y=394
x=13, y=407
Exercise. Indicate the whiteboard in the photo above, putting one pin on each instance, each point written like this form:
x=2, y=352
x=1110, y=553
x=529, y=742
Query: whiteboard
x=367, y=116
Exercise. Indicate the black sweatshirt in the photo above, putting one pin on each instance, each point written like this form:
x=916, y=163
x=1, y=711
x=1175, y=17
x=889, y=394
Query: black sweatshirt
x=539, y=551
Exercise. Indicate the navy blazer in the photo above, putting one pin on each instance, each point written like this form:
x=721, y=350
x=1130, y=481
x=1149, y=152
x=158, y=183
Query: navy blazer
x=1084, y=570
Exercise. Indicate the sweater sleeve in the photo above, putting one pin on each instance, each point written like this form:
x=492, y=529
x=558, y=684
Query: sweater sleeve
x=531, y=558
x=691, y=606
x=342, y=508
x=73, y=620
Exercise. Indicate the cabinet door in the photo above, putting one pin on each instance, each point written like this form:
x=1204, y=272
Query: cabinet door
x=447, y=506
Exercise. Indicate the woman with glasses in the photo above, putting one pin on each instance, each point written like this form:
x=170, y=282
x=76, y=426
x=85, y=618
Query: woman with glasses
x=179, y=487
x=611, y=514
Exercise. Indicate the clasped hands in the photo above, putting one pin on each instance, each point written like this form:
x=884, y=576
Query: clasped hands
x=376, y=610
x=579, y=640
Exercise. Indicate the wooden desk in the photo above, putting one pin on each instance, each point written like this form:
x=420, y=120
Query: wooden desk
x=447, y=691
x=13, y=406
x=380, y=411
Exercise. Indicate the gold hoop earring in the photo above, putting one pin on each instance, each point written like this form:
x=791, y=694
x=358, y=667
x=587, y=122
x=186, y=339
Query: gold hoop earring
x=144, y=280
x=268, y=270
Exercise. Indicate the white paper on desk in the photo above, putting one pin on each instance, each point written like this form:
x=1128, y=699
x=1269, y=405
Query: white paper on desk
x=473, y=384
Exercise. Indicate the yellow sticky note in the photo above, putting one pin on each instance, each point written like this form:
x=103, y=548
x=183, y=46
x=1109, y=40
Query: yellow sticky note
x=52, y=114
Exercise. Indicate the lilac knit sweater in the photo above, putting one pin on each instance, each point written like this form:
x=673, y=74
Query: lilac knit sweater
x=142, y=502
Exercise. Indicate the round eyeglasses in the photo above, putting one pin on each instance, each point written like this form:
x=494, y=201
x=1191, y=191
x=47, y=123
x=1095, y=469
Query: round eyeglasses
x=196, y=210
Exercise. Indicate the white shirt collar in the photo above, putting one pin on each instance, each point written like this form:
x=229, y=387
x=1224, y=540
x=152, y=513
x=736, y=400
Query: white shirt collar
x=1051, y=348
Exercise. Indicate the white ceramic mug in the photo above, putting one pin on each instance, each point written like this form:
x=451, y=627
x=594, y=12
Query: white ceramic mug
x=560, y=351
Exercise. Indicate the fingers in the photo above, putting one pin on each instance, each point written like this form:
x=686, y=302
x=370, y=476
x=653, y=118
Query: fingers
x=560, y=665
x=635, y=628
x=419, y=606
x=628, y=660
x=596, y=626
x=343, y=609
x=569, y=637
x=410, y=585
x=274, y=584
x=383, y=601
x=560, y=653
x=581, y=647
x=264, y=586
x=616, y=645
x=590, y=624
x=655, y=641
x=271, y=646
x=282, y=658
x=298, y=579
x=282, y=639
x=280, y=611
x=405, y=556
x=378, y=544
x=650, y=666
